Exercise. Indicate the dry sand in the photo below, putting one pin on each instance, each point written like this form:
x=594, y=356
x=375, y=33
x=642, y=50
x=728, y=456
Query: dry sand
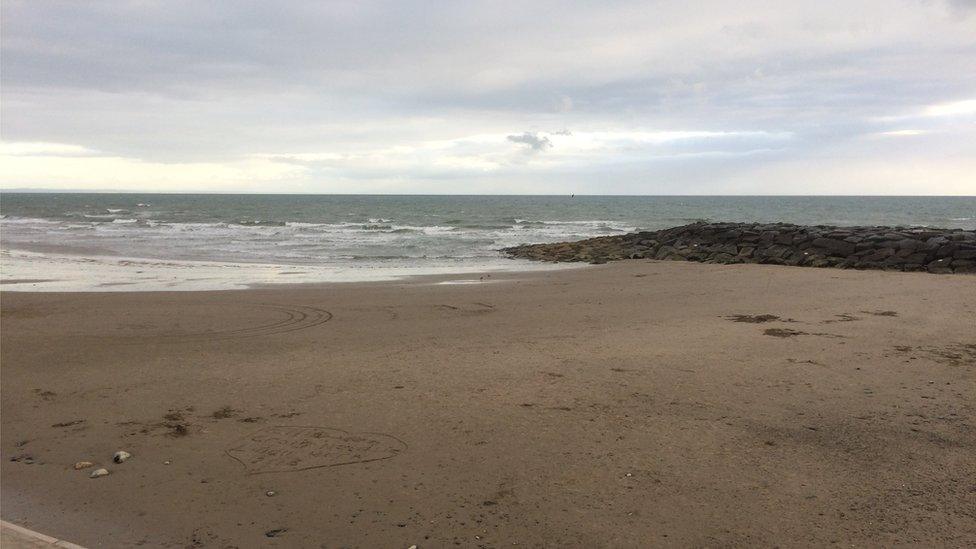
x=623, y=405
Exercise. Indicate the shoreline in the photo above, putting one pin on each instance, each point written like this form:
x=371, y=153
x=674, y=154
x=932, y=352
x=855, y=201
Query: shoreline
x=629, y=404
x=100, y=273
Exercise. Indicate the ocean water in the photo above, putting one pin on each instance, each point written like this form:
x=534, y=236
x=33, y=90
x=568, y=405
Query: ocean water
x=362, y=236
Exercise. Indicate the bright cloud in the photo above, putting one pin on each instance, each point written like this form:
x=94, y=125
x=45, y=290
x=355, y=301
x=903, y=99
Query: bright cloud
x=952, y=109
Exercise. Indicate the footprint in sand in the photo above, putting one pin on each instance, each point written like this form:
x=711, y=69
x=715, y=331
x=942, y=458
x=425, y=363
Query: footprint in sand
x=294, y=448
x=476, y=308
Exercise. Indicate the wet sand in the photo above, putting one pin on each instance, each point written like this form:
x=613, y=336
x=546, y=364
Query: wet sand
x=632, y=404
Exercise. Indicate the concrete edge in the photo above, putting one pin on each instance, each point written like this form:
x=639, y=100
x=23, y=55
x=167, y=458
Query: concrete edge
x=37, y=536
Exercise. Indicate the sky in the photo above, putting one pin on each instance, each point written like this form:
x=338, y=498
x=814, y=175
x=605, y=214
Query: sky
x=501, y=97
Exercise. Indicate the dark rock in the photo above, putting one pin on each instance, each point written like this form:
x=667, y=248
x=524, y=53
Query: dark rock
x=663, y=251
x=909, y=244
x=940, y=266
x=838, y=246
x=900, y=249
x=963, y=266
x=917, y=258
x=964, y=254
x=784, y=238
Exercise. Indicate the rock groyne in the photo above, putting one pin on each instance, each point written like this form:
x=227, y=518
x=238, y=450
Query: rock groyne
x=888, y=248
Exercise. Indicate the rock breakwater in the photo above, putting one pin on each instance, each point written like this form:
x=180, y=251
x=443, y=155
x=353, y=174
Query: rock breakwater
x=889, y=248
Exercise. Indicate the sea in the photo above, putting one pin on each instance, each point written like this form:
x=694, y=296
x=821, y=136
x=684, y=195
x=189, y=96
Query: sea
x=102, y=241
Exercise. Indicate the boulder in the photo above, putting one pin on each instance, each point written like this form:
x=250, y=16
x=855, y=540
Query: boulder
x=836, y=246
x=889, y=248
x=939, y=266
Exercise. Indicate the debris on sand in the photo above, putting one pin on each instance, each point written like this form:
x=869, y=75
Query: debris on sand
x=881, y=313
x=98, y=473
x=121, y=456
x=275, y=533
x=178, y=429
x=68, y=423
x=752, y=319
x=173, y=416
x=83, y=465
x=224, y=413
x=783, y=332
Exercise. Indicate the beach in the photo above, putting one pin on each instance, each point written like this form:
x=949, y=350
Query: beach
x=633, y=404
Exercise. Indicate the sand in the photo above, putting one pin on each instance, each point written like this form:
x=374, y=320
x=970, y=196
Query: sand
x=633, y=404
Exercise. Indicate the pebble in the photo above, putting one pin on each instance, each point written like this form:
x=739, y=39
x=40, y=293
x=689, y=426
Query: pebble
x=83, y=465
x=270, y=493
x=121, y=456
x=98, y=473
x=167, y=462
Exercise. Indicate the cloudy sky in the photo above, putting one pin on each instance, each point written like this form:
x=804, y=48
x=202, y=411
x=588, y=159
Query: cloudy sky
x=590, y=97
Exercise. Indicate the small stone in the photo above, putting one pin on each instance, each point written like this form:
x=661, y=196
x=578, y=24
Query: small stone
x=270, y=493
x=167, y=462
x=98, y=473
x=121, y=456
x=83, y=465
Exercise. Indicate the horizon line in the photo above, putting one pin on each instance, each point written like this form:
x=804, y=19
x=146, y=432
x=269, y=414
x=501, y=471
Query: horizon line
x=27, y=190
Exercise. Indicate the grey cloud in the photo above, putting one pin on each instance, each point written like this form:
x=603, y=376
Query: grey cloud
x=183, y=80
x=533, y=140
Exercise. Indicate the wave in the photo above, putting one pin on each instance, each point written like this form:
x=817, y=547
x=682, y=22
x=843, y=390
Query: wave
x=261, y=223
x=9, y=220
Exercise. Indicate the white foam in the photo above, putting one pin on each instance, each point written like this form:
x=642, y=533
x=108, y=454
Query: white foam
x=466, y=281
x=246, y=254
x=41, y=272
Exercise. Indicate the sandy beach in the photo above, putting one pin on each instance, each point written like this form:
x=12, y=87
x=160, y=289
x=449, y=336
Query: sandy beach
x=633, y=404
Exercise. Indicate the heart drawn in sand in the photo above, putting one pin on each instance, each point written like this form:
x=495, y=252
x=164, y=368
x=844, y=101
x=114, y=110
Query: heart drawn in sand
x=282, y=449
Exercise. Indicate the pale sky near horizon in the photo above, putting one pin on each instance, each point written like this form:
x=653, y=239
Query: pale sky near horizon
x=617, y=97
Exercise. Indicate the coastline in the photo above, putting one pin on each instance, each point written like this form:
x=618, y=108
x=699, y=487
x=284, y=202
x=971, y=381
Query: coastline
x=629, y=404
x=84, y=272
